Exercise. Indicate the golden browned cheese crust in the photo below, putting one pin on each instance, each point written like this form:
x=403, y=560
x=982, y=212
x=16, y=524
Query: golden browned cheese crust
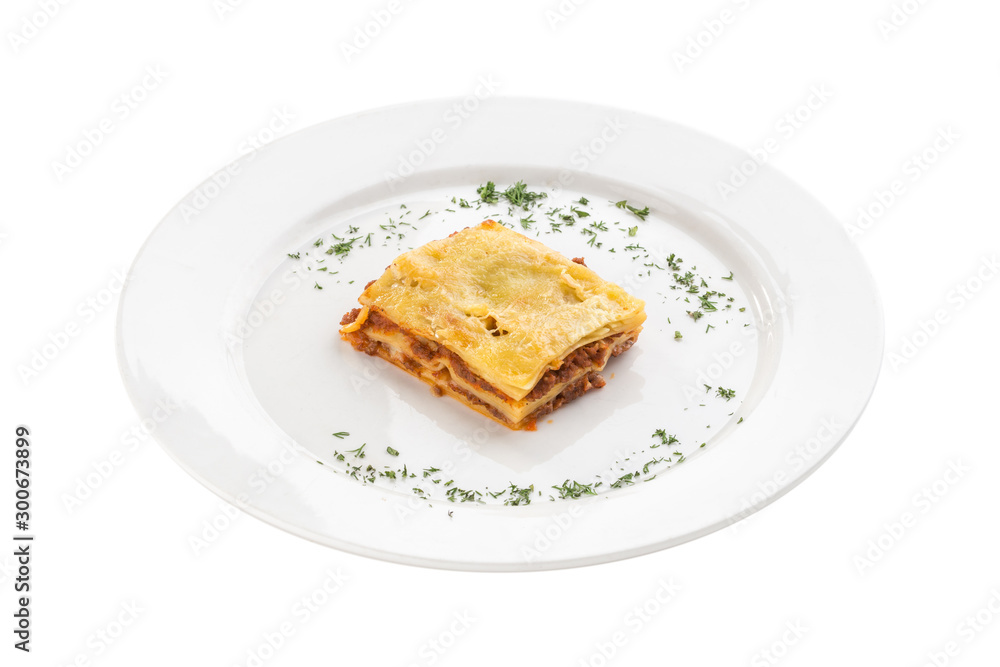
x=509, y=306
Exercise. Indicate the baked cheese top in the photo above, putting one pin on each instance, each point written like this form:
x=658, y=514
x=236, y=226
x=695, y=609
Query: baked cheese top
x=508, y=305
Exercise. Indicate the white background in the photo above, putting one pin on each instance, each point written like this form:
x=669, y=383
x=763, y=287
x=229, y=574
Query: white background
x=796, y=564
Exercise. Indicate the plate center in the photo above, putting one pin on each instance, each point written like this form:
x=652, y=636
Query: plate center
x=686, y=383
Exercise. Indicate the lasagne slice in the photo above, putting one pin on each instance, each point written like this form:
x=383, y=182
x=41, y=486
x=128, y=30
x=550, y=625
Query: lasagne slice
x=497, y=321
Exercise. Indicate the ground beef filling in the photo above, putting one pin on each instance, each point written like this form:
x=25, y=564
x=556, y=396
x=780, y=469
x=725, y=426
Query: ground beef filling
x=592, y=355
x=349, y=316
x=427, y=351
x=472, y=398
x=589, y=356
x=569, y=393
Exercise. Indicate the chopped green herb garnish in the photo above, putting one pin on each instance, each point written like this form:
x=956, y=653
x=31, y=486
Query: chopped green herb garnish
x=649, y=464
x=464, y=495
x=665, y=439
x=624, y=480
x=574, y=490
x=343, y=247
x=727, y=394
x=639, y=213
x=519, y=496
x=391, y=451
x=687, y=279
x=519, y=195
x=488, y=193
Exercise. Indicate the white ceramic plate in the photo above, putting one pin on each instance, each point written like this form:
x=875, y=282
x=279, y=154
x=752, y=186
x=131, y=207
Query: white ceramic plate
x=218, y=319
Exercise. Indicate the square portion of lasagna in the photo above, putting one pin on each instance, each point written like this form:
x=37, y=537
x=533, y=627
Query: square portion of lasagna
x=497, y=321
